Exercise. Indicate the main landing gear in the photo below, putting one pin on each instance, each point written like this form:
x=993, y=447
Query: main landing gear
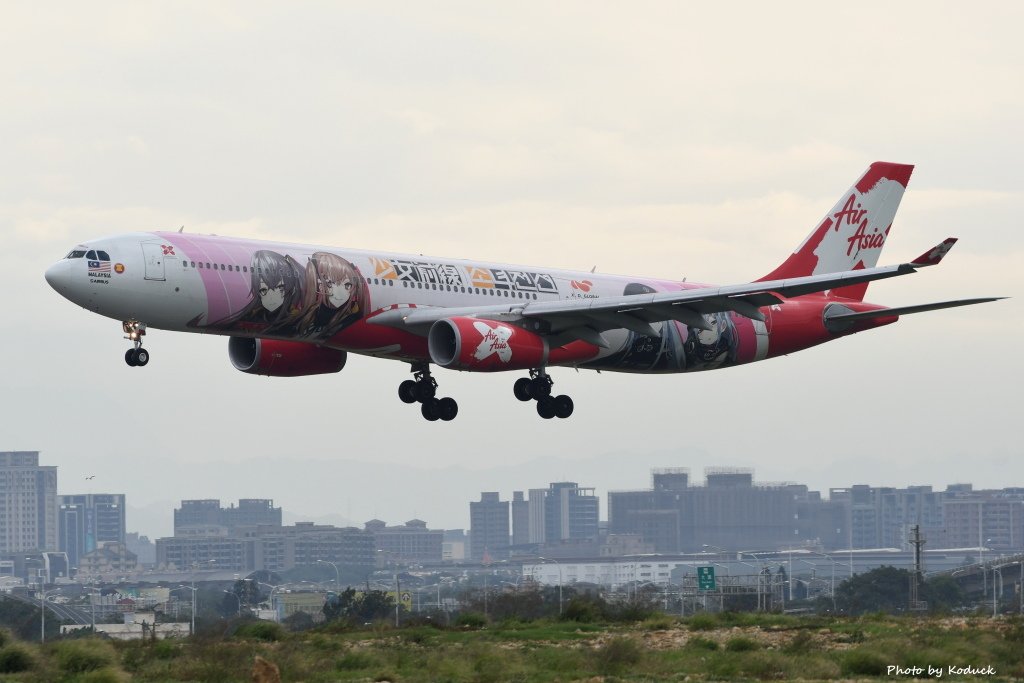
x=423, y=389
x=135, y=331
x=537, y=387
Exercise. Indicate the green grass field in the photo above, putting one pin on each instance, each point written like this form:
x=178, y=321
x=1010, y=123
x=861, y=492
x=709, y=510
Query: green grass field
x=721, y=647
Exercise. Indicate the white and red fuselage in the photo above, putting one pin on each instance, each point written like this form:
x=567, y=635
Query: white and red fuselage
x=294, y=309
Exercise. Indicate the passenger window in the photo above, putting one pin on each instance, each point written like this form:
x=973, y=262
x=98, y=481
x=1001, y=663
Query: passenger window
x=200, y=264
x=245, y=269
x=207, y=264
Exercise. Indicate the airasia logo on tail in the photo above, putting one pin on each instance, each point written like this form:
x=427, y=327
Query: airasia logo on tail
x=495, y=341
x=853, y=214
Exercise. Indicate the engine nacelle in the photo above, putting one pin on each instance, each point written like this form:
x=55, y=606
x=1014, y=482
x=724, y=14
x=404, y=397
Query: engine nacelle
x=484, y=345
x=489, y=346
x=283, y=358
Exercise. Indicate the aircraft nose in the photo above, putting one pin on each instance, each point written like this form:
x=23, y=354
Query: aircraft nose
x=58, y=277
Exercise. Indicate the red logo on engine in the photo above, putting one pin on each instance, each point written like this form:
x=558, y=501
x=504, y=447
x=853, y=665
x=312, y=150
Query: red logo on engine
x=168, y=249
x=582, y=285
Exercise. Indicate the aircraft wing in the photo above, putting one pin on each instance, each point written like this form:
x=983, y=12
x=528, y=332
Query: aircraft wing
x=570, y=319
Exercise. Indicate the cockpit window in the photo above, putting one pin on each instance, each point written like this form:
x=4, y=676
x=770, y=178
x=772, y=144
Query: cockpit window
x=76, y=253
x=104, y=256
x=91, y=255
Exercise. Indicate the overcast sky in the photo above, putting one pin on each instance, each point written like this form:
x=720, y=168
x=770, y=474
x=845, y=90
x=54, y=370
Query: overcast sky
x=657, y=140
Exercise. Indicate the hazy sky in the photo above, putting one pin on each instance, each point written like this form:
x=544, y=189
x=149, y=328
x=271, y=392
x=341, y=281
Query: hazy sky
x=658, y=140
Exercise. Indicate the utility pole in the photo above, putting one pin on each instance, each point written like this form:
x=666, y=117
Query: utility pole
x=916, y=605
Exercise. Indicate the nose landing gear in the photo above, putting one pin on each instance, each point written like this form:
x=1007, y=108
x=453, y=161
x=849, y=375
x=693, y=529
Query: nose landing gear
x=135, y=331
x=423, y=389
x=537, y=387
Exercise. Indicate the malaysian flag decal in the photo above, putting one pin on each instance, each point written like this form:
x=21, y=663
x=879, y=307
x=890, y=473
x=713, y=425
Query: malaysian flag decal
x=99, y=268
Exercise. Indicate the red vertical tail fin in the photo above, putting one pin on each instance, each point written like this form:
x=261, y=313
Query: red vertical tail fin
x=852, y=234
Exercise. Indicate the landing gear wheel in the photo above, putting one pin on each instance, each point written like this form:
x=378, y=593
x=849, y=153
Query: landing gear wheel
x=522, y=389
x=407, y=391
x=546, y=407
x=430, y=410
x=425, y=391
x=563, y=406
x=141, y=356
x=447, y=409
x=129, y=357
x=540, y=387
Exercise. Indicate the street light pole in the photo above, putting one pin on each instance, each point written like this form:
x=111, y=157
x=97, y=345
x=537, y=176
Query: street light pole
x=42, y=610
x=337, y=574
x=238, y=599
x=193, y=589
x=547, y=559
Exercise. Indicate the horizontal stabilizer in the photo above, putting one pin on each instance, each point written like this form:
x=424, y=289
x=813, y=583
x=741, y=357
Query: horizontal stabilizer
x=907, y=310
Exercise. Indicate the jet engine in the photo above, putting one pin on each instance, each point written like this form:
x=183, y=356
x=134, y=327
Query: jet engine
x=488, y=346
x=283, y=358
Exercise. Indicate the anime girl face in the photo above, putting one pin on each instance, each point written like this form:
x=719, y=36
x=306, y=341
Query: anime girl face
x=275, y=281
x=335, y=295
x=271, y=297
x=338, y=292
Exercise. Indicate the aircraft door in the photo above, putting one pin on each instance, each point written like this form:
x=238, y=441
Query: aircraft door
x=153, y=256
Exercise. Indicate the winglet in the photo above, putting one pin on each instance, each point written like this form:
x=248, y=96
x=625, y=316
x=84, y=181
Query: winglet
x=935, y=254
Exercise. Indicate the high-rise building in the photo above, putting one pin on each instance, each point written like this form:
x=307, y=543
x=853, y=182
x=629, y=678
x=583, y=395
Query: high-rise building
x=28, y=503
x=269, y=547
x=411, y=542
x=570, y=512
x=488, y=527
x=730, y=512
x=520, y=519
x=87, y=521
x=209, y=513
x=536, y=512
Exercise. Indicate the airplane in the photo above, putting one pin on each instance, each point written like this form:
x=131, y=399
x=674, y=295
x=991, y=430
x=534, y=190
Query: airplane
x=292, y=309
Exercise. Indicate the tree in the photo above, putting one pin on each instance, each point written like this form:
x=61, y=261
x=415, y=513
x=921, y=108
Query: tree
x=884, y=589
x=358, y=608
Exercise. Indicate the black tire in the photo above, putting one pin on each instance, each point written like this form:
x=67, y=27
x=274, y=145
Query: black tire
x=447, y=409
x=425, y=391
x=563, y=406
x=407, y=391
x=540, y=388
x=522, y=389
x=546, y=407
x=430, y=410
x=129, y=357
x=141, y=356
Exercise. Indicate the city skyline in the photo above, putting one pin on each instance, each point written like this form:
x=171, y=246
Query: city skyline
x=460, y=497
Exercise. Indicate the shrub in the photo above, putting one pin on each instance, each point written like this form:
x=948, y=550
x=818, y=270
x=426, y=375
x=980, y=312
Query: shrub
x=82, y=656
x=355, y=661
x=742, y=644
x=104, y=675
x=261, y=630
x=166, y=649
x=659, y=623
x=5, y=637
x=616, y=654
x=801, y=643
x=863, y=663
x=702, y=643
x=701, y=622
x=15, y=658
x=471, y=620
x=582, y=610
